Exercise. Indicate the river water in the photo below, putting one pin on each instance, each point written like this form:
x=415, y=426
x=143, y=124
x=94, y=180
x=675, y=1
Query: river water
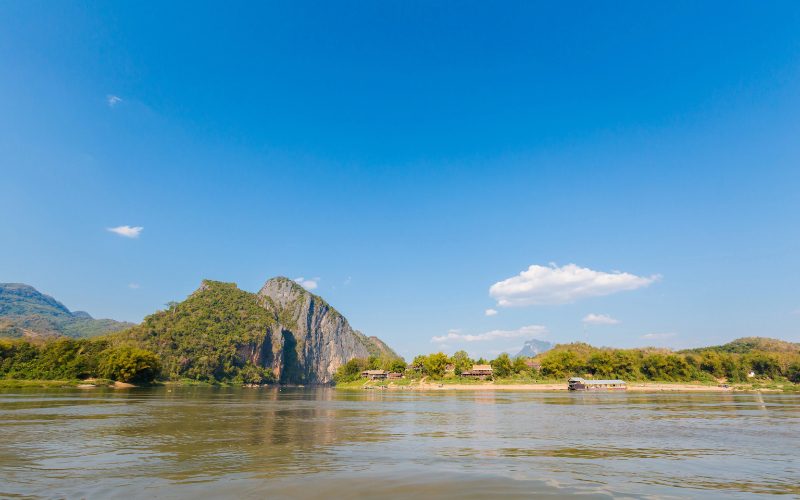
x=203, y=442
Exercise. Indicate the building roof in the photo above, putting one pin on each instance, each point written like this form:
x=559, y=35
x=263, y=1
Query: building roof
x=596, y=382
x=481, y=367
x=373, y=372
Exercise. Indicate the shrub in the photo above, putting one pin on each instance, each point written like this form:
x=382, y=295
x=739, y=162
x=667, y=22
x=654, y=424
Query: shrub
x=129, y=364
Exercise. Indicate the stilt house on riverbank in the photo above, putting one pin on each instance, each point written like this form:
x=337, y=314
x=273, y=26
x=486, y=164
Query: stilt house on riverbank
x=478, y=371
x=375, y=374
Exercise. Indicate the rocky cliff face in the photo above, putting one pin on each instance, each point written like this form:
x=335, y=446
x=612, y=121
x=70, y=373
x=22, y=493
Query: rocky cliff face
x=315, y=340
x=534, y=347
x=226, y=334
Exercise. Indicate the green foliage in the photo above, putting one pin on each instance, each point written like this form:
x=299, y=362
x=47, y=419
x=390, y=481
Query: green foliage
x=561, y=363
x=793, y=372
x=351, y=370
x=397, y=365
x=519, y=366
x=461, y=362
x=502, y=366
x=435, y=365
x=69, y=359
x=24, y=309
x=129, y=364
x=212, y=336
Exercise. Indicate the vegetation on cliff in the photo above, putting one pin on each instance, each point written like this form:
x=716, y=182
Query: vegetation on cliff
x=216, y=334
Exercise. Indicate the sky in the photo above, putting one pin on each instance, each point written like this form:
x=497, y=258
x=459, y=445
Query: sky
x=448, y=175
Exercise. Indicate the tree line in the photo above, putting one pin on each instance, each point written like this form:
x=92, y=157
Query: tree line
x=76, y=359
x=579, y=359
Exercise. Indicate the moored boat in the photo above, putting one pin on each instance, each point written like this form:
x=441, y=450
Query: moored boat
x=581, y=384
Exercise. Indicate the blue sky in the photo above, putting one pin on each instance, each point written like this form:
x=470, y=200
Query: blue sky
x=407, y=156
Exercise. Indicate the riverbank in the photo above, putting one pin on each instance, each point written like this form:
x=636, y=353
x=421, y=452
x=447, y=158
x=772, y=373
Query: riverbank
x=555, y=386
x=63, y=384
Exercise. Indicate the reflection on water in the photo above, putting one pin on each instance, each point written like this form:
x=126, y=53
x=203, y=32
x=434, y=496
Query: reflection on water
x=211, y=442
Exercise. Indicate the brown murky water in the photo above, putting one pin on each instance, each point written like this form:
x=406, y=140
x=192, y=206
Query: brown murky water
x=323, y=443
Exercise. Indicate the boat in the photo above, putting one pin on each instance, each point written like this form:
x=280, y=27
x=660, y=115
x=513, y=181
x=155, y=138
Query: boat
x=581, y=384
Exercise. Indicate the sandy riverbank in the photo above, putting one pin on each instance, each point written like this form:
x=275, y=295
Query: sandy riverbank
x=548, y=387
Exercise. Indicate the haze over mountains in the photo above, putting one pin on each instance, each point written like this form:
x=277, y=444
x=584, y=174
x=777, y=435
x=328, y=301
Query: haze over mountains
x=26, y=312
x=533, y=347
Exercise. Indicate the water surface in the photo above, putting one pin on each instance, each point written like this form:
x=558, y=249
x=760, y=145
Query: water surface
x=206, y=442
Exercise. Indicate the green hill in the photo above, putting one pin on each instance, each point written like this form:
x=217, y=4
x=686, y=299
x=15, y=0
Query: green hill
x=747, y=345
x=218, y=333
x=27, y=313
x=221, y=333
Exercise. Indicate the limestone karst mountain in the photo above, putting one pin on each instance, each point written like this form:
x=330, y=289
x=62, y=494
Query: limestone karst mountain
x=283, y=333
x=533, y=347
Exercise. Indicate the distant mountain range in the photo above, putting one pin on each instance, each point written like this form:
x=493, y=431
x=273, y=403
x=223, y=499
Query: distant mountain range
x=533, y=347
x=26, y=312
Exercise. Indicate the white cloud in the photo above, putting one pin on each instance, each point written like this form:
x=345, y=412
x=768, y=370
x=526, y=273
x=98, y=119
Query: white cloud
x=599, y=319
x=540, y=285
x=127, y=231
x=490, y=312
x=133, y=286
x=308, y=284
x=113, y=100
x=657, y=336
x=348, y=280
x=525, y=331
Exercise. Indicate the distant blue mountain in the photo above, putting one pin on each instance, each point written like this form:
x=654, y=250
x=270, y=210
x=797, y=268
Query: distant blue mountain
x=26, y=312
x=534, y=347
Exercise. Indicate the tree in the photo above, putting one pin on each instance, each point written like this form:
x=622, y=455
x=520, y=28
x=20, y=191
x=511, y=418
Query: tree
x=419, y=363
x=461, y=362
x=793, y=373
x=397, y=365
x=763, y=364
x=559, y=364
x=351, y=370
x=520, y=366
x=129, y=364
x=501, y=366
x=436, y=364
x=601, y=363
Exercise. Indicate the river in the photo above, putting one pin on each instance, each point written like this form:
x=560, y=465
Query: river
x=204, y=442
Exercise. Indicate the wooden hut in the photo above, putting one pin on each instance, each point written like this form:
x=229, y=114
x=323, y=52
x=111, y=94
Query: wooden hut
x=478, y=371
x=374, y=374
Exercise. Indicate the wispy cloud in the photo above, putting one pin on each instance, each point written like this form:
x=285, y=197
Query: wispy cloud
x=490, y=312
x=525, y=331
x=599, y=319
x=308, y=284
x=133, y=286
x=348, y=280
x=127, y=231
x=539, y=285
x=113, y=100
x=658, y=336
